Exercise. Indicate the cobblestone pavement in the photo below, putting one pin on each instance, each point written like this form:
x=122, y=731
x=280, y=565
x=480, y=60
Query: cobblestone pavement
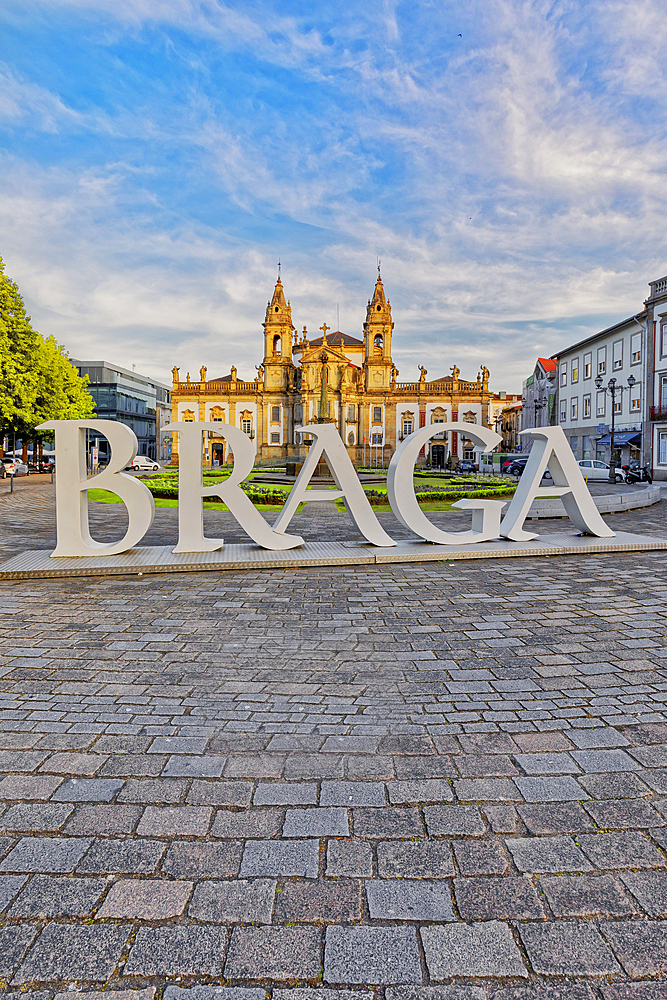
x=423, y=781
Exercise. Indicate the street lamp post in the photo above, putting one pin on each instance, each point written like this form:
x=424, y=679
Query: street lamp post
x=539, y=404
x=613, y=389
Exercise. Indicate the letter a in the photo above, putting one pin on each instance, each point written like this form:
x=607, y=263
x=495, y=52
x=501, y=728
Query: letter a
x=550, y=448
x=72, y=485
x=328, y=442
x=191, y=491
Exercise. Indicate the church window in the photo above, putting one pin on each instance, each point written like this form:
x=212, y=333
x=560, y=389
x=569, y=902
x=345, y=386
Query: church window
x=277, y=309
x=188, y=417
x=469, y=417
x=376, y=439
x=298, y=412
x=246, y=426
x=275, y=414
x=407, y=426
x=351, y=412
x=377, y=414
x=379, y=308
x=276, y=345
x=275, y=438
x=217, y=415
x=377, y=343
x=350, y=438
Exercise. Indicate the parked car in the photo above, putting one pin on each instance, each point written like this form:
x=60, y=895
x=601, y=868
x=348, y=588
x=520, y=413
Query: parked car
x=14, y=466
x=466, y=466
x=517, y=465
x=142, y=464
x=594, y=469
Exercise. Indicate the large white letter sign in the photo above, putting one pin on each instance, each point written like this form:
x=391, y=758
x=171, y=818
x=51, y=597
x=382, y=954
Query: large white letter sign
x=404, y=503
x=328, y=442
x=72, y=485
x=191, y=490
x=550, y=448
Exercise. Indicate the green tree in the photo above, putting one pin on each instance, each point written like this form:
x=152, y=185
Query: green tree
x=37, y=380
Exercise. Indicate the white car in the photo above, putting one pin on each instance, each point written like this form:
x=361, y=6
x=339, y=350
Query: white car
x=594, y=469
x=142, y=464
x=14, y=466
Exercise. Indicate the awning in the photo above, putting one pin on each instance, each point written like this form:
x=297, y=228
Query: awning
x=621, y=438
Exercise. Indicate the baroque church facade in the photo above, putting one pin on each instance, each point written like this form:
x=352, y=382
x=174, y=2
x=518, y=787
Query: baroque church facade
x=334, y=378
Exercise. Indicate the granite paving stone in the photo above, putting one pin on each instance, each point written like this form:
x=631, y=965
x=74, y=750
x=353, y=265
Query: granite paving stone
x=122, y=856
x=420, y=790
x=621, y=850
x=547, y=854
x=435, y=993
x=409, y=899
x=174, y=821
x=177, y=951
x=274, y=953
x=233, y=902
x=73, y=952
x=454, y=821
x=48, y=897
x=10, y=886
x=316, y=822
x=484, y=950
x=487, y=790
x=639, y=945
x=349, y=858
x=87, y=790
x=334, y=901
x=618, y=814
x=546, y=991
x=252, y=823
x=84, y=764
x=220, y=793
x=586, y=895
x=605, y=760
x=184, y=766
x=651, y=756
x=31, y=817
x=479, y=859
x=371, y=955
x=144, y=899
x=649, y=889
x=103, y=820
x=149, y=790
x=493, y=898
x=566, y=817
x=415, y=859
x=567, y=949
x=46, y=854
x=547, y=763
x=554, y=788
x=295, y=793
x=610, y=785
x=24, y=786
x=352, y=793
x=195, y=860
x=213, y=992
x=634, y=991
x=14, y=942
x=391, y=822
x=279, y=857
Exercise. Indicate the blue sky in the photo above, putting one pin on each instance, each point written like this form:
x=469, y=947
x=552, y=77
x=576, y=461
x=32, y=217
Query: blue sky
x=507, y=160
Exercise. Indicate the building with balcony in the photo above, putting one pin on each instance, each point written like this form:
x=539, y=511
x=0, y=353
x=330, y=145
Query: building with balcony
x=585, y=411
x=655, y=430
x=349, y=381
x=538, y=395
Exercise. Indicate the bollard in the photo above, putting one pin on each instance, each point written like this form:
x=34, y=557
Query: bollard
x=11, y=484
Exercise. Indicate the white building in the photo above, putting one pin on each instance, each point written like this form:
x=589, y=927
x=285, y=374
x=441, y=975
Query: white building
x=655, y=427
x=585, y=412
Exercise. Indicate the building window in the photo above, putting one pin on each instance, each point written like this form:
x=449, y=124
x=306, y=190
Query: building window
x=350, y=437
x=376, y=439
x=587, y=406
x=635, y=348
x=351, y=413
x=618, y=355
x=563, y=374
x=407, y=426
x=563, y=411
x=377, y=414
x=600, y=404
x=663, y=392
x=188, y=416
x=275, y=414
x=574, y=445
x=635, y=398
x=618, y=405
x=298, y=413
x=586, y=441
x=469, y=417
x=275, y=437
x=663, y=448
x=574, y=408
x=663, y=340
x=246, y=426
x=575, y=370
x=602, y=360
x=276, y=345
x=588, y=365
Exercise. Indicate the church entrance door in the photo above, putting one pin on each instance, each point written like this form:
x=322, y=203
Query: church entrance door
x=438, y=456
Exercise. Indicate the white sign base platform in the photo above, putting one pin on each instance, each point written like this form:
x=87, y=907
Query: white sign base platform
x=38, y=563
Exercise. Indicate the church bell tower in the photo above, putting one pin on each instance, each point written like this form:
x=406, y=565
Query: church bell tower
x=377, y=340
x=278, y=330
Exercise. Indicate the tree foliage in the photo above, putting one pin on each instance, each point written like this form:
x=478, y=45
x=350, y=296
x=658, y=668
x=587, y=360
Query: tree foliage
x=37, y=380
